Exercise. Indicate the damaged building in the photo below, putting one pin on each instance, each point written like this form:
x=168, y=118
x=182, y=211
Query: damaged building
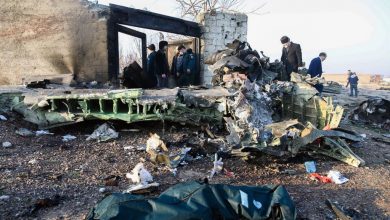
x=78, y=40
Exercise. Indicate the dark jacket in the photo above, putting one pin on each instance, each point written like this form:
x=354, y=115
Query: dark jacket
x=293, y=57
x=315, y=67
x=353, y=80
x=151, y=63
x=161, y=63
x=189, y=63
x=177, y=67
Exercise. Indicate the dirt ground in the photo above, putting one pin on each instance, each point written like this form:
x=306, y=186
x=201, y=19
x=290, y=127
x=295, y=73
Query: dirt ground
x=42, y=167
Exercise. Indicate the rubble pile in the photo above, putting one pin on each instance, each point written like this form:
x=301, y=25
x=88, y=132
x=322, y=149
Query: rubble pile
x=258, y=102
x=261, y=114
x=375, y=111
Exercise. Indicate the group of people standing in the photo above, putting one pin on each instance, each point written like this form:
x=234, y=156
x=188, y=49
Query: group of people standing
x=183, y=69
x=292, y=60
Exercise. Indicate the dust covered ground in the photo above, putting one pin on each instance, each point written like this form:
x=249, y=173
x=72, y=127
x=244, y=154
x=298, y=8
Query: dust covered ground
x=43, y=167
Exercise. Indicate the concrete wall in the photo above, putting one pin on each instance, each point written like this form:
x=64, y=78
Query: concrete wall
x=218, y=29
x=49, y=37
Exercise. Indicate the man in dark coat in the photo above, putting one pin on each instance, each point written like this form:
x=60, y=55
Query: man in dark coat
x=291, y=56
x=190, y=69
x=177, y=63
x=315, y=69
x=151, y=64
x=161, y=67
x=353, y=80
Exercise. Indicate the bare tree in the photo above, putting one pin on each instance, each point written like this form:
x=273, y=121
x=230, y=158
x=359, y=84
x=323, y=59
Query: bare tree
x=192, y=8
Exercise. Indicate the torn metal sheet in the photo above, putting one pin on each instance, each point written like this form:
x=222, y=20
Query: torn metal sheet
x=339, y=149
x=303, y=104
x=332, y=87
x=316, y=134
x=132, y=105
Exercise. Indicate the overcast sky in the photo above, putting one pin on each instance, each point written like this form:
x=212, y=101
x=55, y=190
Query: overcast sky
x=354, y=33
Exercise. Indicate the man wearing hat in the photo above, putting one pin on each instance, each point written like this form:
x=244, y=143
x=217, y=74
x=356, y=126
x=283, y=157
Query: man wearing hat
x=151, y=65
x=291, y=56
x=162, y=67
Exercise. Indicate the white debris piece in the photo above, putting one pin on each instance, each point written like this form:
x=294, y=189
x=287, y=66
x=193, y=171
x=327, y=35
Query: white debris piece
x=102, y=190
x=24, y=132
x=43, y=132
x=153, y=143
x=363, y=135
x=337, y=177
x=43, y=103
x=7, y=144
x=218, y=166
x=140, y=175
x=3, y=118
x=33, y=161
x=103, y=133
x=4, y=198
x=68, y=137
x=141, y=186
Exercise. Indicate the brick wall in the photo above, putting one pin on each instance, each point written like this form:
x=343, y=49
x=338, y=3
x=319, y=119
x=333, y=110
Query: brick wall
x=50, y=37
x=219, y=28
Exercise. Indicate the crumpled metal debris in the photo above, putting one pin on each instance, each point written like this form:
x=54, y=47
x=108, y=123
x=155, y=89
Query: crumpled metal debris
x=374, y=111
x=332, y=87
x=103, y=133
x=182, y=158
x=240, y=57
x=3, y=118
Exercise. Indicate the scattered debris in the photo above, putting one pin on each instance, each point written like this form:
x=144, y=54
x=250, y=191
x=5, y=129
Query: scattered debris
x=143, y=180
x=135, y=148
x=332, y=87
x=289, y=172
x=337, y=210
x=181, y=158
x=3, y=118
x=33, y=161
x=103, y=133
x=7, y=144
x=38, y=84
x=43, y=132
x=318, y=177
x=111, y=180
x=374, y=111
x=154, y=146
x=310, y=167
x=68, y=137
x=336, y=177
x=102, y=190
x=24, y=132
x=4, y=198
x=140, y=175
x=218, y=166
x=46, y=203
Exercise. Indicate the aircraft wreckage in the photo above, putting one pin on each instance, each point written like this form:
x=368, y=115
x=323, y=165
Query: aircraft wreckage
x=262, y=116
